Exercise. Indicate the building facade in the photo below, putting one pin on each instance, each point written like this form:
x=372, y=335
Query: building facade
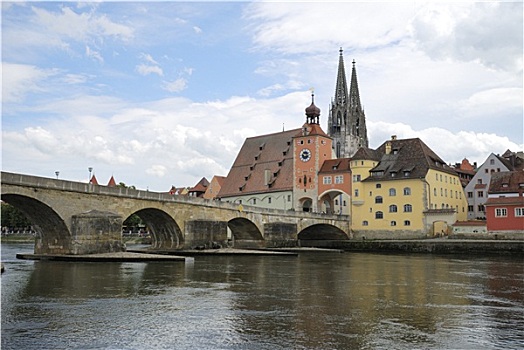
x=347, y=120
x=290, y=170
x=403, y=189
x=477, y=188
x=505, y=203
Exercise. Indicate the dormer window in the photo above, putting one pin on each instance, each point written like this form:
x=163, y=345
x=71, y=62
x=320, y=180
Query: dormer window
x=407, y=173
x=393, y=174
x=505, y=185
x=395, y=151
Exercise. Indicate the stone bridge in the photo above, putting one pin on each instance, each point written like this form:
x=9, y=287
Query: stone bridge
x=79, y=218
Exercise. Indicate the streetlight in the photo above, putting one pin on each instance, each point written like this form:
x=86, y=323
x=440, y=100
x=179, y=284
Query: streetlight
x=90, y=170
x=57, y=173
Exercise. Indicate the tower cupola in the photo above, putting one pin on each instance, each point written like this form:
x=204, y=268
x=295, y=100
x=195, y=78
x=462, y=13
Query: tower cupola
x=312, y=112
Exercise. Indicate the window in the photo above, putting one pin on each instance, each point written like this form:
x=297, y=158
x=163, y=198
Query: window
x=379, y=215
x=378, y=186
x=407, y=223
x=392, y=208
x=407, y=191
x=519, y=212
x=408, y=208
x=501, y=212
x=365, y=223
x=479, y=181
x=470, y=208
x=289, y=198
x=470, y=194
x=492, y=161
x=480, y=194
x=327, y=180
x=393, y=223
x=392, y=192
x=435, y=191
x=480, y=207
x=336, y=201
x=269, y=200
x=356, y=193
x=339, y=179
x=356, y=178
x=254, y=201
x=378, y=199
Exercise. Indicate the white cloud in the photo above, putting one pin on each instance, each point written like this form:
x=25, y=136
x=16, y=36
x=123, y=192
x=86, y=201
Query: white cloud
x=94, y=55
x=80, y=26
x=20, y=79
x=197, y=30
x=487, y=32
x=157, y=170
x=144, y=69
x=175, y=86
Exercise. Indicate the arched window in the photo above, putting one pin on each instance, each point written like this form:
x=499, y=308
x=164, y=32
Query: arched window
x=379, y=215
x=392, y=208
x=378, y=199
x=408, y=208
x=392, y=192
x=407, y=222
x=364, y=223
x=393, y=223
x=407, y=191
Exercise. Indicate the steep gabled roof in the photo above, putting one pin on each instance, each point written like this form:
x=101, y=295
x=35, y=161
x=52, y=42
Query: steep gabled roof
x=335, y=165
x=112, y=182
x=264, y=164
x=366, y=153
x=201, y=186
x=408, y=159
x=93, y=180
x=507, y=182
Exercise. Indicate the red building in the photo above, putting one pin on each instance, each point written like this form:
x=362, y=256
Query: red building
x=505, y=204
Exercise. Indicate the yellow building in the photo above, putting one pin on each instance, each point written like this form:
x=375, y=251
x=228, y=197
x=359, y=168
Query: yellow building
x=404, y=190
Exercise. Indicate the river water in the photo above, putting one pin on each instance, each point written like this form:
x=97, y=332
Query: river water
x=310, y=301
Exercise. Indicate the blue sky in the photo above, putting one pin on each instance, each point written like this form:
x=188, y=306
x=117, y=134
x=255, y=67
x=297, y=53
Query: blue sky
x=160, y=94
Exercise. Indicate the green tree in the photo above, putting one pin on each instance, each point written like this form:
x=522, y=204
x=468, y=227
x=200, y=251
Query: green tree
x=12, y=217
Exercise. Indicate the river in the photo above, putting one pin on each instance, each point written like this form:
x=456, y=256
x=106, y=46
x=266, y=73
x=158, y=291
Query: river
x=311, y=301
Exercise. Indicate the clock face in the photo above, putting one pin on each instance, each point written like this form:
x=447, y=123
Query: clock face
x=305, y=155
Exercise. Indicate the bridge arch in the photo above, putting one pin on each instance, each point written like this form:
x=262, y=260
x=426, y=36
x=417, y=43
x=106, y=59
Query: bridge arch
x=244, y=229
x=165, y=232
x=322, y=232
x=53, y=235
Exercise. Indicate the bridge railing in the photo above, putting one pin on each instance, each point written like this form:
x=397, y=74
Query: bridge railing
x=126, y=192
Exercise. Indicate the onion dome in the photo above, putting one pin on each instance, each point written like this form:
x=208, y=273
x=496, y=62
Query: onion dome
x=312, y=112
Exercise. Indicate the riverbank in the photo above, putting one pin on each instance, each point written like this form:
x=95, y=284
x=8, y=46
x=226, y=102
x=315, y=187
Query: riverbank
x=433, y=246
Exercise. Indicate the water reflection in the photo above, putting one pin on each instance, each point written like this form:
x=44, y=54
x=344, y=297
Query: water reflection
x=313, y=301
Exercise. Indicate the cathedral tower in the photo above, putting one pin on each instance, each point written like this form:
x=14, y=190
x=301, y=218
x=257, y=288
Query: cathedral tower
x=347, y=121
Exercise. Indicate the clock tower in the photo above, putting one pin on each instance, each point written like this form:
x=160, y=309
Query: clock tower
x=311, y=147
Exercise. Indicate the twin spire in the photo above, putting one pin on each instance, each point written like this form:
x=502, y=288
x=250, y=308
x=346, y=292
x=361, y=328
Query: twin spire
x=341, y=90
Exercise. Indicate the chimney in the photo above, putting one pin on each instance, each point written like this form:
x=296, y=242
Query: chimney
x=267, y=177
x=388, y=147
x=393, y=137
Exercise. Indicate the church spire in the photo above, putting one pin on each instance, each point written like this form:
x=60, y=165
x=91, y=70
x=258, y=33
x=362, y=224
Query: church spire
x=354, y=96
x=341, y=90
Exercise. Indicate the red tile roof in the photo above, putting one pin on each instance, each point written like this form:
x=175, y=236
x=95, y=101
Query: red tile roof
x=112, y=182
x=507, y=182
x=272, y=152
x=93, y=180
x=335, y=165
x=505, y=200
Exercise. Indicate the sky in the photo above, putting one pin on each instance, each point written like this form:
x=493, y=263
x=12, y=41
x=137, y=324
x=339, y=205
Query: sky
x=161, y=94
